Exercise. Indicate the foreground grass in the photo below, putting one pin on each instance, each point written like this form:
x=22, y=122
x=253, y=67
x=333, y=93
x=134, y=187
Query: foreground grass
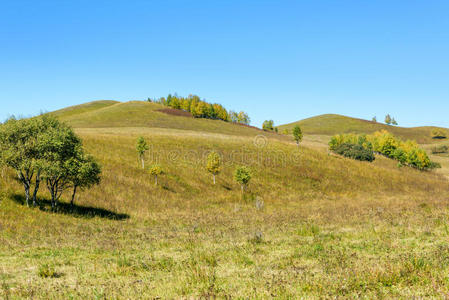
x=328, y=227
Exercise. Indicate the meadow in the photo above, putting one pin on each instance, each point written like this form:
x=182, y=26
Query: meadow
x=311, y=224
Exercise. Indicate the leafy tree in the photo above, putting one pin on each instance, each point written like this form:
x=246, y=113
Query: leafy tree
x=243, y=118
x=233, y=116
x=142, y=148
x=84, y=172
x=374, y=119
x=155, y=171
x=213, y=164
x=60, y=146
x=297, y=134
x=268, y=125
x=242, y=175
x=393, y=122
x=388, y=119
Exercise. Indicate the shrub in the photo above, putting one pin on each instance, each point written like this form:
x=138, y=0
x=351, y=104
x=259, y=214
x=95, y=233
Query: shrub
x=47, y=271
x=438, y=134
x=440, y=149
x=355, y=151
x=268, y=125
x=242, y=175
x=156, y=170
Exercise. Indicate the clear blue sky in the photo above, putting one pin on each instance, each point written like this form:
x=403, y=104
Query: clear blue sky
x=280, y=60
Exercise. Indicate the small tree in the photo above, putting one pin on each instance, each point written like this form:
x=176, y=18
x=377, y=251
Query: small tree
x=242, y=175
x=388, y=119
x=393, y=122
x=155, y=171
x=141, y=148
x=268, y=125
x=213, y=164
x=297, y=134
x=375, y=119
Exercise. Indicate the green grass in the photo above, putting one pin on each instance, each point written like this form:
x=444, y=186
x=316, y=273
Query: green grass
x=329, y=227
x=332, y=124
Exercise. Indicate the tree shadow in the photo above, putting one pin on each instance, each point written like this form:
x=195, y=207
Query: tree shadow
x=75, y=210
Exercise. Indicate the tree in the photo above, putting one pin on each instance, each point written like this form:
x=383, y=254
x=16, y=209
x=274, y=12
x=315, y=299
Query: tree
x=388, y=119
x=213, y=164
x=285, y=131
x=60, y=146
x=84, y=172
x=297, y=134
x=233, y=116
x=242, y=175
x=268, y=125
x=155, y=171
x=374, y=119
x=243, y=118
x=142, y=148
x=393, y=122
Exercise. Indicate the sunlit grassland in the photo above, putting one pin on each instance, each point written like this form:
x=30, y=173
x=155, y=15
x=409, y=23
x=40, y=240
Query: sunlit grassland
x=330, y=226
x=331, y=124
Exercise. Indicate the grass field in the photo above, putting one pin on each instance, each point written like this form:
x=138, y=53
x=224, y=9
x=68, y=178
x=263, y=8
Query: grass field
x=328, y=227
x=331, y=124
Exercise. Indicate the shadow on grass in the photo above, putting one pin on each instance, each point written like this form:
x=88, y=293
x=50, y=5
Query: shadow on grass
x=75, y=210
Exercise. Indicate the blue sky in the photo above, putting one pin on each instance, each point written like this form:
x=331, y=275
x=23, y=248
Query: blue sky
x=280, y=60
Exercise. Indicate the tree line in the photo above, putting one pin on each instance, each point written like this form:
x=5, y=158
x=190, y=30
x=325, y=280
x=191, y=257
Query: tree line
x=407, y=153
x=42, y=149
x=203, y=109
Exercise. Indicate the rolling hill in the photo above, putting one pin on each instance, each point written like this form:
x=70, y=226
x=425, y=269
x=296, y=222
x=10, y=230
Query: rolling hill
x=309, y=225
x=331, y=124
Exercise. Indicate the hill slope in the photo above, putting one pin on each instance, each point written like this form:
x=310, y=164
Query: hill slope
x=145, y=114
x=307, y=223
x=331, y=124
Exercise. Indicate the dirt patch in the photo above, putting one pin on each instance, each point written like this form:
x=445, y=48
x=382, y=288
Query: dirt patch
x=176, y=112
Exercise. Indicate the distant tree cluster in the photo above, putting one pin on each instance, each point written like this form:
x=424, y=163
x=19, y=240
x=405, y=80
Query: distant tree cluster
x=202, y=109
x=43, y=149
x=438, y=133
x=407, y=153
x=268, y=125
x=390, y=120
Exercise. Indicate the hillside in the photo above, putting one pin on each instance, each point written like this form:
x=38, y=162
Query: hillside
x=328, y=227
x=101, y=114
x=331, y=124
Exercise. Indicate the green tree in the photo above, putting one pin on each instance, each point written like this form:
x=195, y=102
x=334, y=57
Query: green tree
x=60, y=146
x=297, y=134
x=374, y=119
x=242, y=175
x=243, y=118
x=155, y=171
x=213, y=164
x=388, y=119
x=233, y=116
x=268, y=125
x=84, y=172
x=393, y=122
x=142, y=148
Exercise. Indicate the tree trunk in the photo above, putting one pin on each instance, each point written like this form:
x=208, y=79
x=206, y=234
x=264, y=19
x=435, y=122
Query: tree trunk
x=73, y=196
x=214, y=179
x=143, y=162
x=27, y=193
x=155, y=179
x=242, y=187
x=36, y=188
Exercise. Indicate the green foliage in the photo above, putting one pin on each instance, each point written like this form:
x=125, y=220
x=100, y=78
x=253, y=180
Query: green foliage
x=388, y=119
x=297, y=134
x=242, y=175
x=355, y=151
x=47, y=271
x=438, y=134
x=440, y=149
x=268, y=125
x=142, y=147
x=202, y=109
x=374, y=119
x=285, y=131
x=383, y=142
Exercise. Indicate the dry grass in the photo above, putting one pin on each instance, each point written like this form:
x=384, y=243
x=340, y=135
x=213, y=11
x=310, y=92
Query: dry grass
x=329, y=226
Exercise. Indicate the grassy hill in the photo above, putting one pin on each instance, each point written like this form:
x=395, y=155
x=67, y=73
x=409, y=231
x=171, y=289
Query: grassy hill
x=328, y=226
x=331, y=124
x=103, y=114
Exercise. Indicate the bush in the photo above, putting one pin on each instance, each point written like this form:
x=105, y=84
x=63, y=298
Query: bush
x=355, y=151
x=440, y=149
x=438, y=134
x=47, y=271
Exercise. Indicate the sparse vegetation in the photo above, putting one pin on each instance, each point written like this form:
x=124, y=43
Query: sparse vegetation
x=440, y=149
